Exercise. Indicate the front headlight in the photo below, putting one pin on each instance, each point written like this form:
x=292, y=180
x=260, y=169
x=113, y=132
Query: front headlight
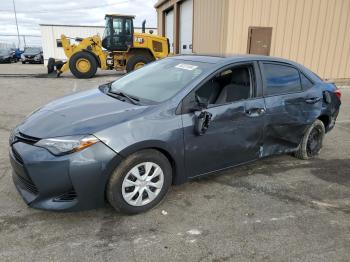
x=37, y=56
x=68, y=144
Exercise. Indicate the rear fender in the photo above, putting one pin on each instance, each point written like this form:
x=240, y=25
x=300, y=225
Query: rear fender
x=140, y=51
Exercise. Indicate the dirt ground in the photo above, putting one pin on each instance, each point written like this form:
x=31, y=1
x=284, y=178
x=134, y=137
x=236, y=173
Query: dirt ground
x=276, y=209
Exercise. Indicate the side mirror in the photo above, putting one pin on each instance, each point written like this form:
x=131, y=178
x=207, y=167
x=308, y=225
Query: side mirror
x=200, y=104
x=202, y=123
x=203, y=119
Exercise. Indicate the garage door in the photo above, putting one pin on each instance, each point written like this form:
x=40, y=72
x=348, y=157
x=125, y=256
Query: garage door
x=169, y=28
x=186, y=10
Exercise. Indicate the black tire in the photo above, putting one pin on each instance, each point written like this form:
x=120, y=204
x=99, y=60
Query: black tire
x=50, y=65
x=114, y=185
x=59, y=64
x=311, y=143
x=83, y=55
x=23, y=62
x=135, y=59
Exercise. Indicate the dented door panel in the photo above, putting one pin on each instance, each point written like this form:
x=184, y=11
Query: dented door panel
x=287, y=118
x=234, y=136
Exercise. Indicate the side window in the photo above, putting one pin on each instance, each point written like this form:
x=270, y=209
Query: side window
x=118, y=26
x=305, y=82
x=127, y=27
x=230, y=85
x=281, y=79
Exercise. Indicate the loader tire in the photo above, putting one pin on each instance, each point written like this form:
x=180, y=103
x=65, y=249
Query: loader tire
x=50, y=65
x=83, y=65
x=137, y=61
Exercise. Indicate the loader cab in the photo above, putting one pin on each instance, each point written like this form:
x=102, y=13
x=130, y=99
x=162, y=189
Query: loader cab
x=118, y=34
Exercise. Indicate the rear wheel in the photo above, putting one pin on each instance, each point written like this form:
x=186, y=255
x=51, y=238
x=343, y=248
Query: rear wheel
x=140, y=182
x=83, y=65
x=137, y=61
x=311, y=143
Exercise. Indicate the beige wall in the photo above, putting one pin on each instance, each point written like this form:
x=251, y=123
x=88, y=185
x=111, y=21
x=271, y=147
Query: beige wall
x=315, y=33
x=209, y=26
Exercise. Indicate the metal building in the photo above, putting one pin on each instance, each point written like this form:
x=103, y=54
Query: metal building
x=315, y=33
x=50, y=34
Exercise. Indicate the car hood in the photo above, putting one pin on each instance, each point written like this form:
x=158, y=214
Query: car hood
x=31, y=53
x=78, y=114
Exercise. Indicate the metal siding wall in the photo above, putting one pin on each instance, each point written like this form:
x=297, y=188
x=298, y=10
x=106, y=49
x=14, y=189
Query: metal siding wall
x=209, y=23
x=315, y=33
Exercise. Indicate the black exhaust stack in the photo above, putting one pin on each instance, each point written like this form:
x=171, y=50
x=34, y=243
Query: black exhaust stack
x=144, y=26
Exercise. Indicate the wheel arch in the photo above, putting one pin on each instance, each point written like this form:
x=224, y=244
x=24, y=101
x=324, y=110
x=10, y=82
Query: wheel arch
x=175, y=161
x=326, y=120
x=140, y=51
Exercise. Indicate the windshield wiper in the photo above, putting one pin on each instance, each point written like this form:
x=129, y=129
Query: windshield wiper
x=132, y=99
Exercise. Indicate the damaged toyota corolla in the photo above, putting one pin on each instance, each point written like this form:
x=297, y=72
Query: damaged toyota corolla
x=173, y=120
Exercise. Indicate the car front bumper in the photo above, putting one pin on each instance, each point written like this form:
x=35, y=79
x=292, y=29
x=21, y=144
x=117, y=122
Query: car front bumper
x=71, y=182
x=31, y=59
x=5, y=60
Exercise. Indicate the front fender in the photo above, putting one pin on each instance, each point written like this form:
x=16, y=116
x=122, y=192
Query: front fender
x=161, y=131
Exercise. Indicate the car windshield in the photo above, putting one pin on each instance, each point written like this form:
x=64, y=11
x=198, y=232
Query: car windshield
x=159, y=80
x=4, y=52
x=33, y=49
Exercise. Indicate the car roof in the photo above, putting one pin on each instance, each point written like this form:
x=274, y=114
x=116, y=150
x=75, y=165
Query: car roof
x=213, y=59
x=200, y=58
x=226, y=60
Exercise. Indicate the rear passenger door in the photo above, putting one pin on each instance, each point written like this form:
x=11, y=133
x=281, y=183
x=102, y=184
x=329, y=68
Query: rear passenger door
x=288, y=107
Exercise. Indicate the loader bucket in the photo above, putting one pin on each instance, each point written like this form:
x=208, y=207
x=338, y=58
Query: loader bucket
x=54, y=67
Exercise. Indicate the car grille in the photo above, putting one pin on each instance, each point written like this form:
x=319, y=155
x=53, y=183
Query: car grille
x=67, y=197
x=26, y=139
x=27, y=183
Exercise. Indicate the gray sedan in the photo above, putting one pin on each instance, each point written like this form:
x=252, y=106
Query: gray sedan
x=171, y=121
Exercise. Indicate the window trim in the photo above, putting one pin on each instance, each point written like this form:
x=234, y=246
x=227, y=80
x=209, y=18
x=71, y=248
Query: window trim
x=308, y=78
x=257, y=89
x=261, y=65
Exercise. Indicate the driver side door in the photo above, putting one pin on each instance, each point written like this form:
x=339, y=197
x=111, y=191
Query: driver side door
x=235, y=130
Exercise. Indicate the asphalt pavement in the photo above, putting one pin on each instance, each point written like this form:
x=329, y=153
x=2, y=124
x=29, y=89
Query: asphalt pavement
x=276, y=209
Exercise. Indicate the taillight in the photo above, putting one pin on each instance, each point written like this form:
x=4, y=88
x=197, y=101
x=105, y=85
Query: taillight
x=338, y=93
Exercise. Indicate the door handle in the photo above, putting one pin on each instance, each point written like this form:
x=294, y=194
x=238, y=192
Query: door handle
x=254, y=112
x=312, y=100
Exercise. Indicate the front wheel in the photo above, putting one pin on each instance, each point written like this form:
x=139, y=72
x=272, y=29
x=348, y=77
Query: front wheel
x=140, y=182
x=83, y=65
x=311, y=143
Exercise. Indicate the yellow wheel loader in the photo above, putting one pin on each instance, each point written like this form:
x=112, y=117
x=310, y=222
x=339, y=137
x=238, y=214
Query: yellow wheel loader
x=119, y=49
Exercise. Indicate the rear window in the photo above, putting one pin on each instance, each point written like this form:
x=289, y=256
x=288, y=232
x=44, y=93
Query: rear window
x=281, y=79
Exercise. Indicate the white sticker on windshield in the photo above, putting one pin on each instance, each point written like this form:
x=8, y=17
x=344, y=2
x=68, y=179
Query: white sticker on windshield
x=186, y=66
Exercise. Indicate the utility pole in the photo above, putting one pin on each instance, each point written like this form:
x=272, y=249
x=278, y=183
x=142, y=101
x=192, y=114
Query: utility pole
x=14, y=9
